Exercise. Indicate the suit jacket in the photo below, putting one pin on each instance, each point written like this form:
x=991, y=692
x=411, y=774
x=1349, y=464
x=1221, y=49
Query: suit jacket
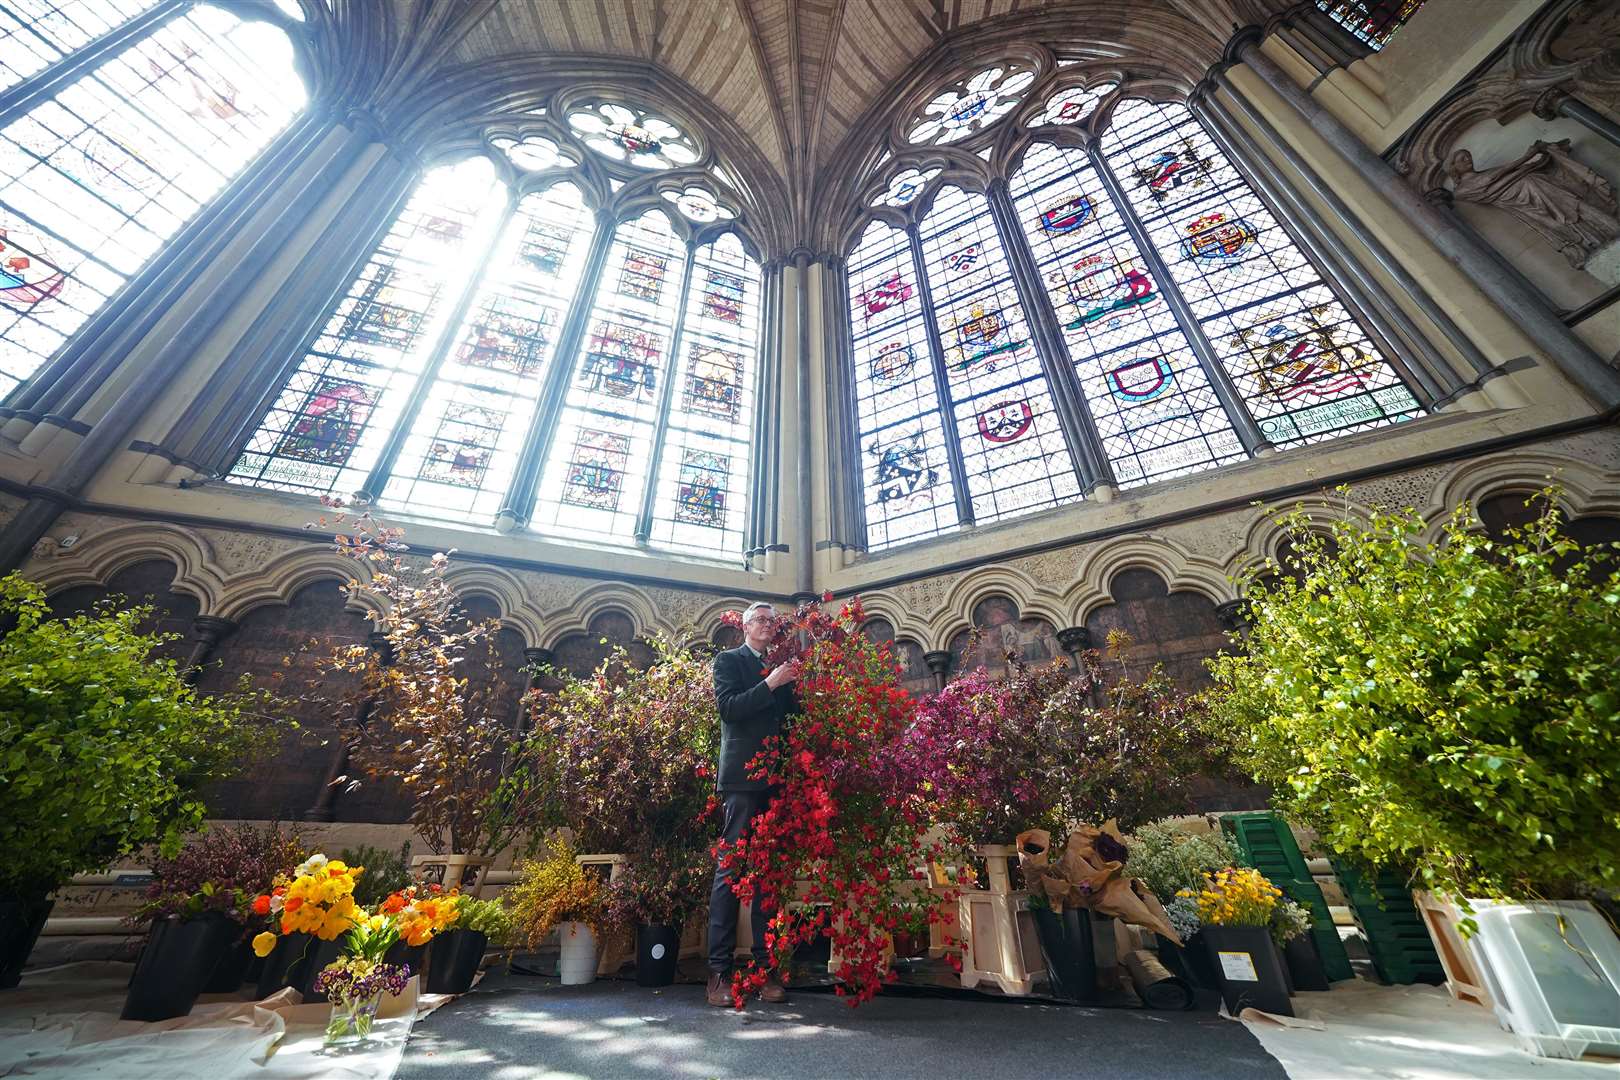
x=750, y=712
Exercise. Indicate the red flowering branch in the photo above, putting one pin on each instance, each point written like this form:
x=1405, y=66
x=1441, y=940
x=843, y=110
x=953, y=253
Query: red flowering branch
x=843, y=846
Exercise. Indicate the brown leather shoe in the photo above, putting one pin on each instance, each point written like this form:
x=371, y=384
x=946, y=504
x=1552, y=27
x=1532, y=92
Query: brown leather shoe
x=720, y=990
x=773, y=991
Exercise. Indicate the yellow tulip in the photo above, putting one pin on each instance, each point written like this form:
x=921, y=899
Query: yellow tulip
x=264, y=943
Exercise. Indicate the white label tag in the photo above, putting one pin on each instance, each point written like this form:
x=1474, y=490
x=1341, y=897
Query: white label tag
x=1239, y=967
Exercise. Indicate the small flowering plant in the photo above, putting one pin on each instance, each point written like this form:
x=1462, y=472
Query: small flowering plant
x=1288, y=921
x=318, y=900
x=355, y=982
x=1235, y=896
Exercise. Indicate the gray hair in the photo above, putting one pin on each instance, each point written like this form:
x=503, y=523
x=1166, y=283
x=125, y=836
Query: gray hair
x=751, y=608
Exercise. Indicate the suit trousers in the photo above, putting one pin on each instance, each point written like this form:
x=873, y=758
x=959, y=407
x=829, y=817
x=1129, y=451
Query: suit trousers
x=741, y=808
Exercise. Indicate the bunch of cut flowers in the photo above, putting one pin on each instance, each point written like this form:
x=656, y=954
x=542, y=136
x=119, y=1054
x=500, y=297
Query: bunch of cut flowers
x=421, y=912
x=355, y=982
x=318, y=899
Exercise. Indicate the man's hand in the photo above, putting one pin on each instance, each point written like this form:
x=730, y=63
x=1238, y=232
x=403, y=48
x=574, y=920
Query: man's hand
x=782, y=675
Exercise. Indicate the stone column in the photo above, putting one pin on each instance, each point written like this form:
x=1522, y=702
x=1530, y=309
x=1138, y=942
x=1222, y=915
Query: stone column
x=1558, y=102
x=207, y=632
x=939, y=663
x=536, y=658
x=1234, y=615
x=1074, y=640
x=325, y=807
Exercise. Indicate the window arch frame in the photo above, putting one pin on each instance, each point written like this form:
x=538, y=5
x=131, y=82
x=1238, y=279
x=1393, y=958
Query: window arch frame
x=990, y=158
x=612, y=193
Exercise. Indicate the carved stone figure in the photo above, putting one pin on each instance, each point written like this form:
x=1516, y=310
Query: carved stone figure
x=1547, y=189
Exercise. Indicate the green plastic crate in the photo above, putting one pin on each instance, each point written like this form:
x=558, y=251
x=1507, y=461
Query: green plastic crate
x=1265, y=840
x=1397, y=939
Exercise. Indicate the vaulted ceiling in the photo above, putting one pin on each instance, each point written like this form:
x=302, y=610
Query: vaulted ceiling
x=796, y=75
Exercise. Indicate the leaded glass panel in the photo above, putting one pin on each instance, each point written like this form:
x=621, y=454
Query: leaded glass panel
x=324, y=432
x=596, y=476
x=460, y=456
x=703, y=475
x=1151, y=401
x=1012, y=447
x=94, y=180
x=1304, y=367
x=35, y=34
x=906, y=474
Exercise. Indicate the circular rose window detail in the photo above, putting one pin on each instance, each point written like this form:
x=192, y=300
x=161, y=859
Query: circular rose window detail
x=624, y=133
x=698, y=204
x=971, y=105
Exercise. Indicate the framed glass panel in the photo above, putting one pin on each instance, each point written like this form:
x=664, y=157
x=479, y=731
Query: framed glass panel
x=1304, y=368
x=1150, y=398
x=460, y=456
x=703, y=475
x=592, y=486
x=905, y=474
x=1012, y=447
x=326, y=428
x=96, y=179
x=34, y=34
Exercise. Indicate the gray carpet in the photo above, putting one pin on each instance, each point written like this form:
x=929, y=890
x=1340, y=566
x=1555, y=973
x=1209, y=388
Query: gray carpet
x=514, y=1028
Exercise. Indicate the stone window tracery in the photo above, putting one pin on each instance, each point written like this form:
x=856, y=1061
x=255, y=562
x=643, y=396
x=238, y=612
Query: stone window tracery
x=101, y=173
x=1163, y=324
x=632, y=135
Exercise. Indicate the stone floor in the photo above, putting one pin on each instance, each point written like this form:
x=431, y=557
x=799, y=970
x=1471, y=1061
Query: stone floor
x=515, y=1026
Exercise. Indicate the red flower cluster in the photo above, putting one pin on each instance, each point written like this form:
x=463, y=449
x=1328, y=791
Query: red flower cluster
x=842, y=848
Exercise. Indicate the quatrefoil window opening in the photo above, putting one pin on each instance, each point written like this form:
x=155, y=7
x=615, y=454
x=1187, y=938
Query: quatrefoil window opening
x=971, y=105
x=634, y=136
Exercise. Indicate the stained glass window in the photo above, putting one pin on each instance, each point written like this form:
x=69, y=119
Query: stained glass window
x=641, y=138
x=460, y=456
x=35, y=34
x=971, y=105
x=1152, y=403
x=95, y=179
x=904, y=464
x=1304, y=367
x=703, y=472
x=1072, y=105
x=1012, y=449
x=1373, y=22
x=596, y=477
x=327, y=427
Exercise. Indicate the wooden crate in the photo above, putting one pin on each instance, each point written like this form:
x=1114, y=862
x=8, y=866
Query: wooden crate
x=1463, y=976
x=1001, y=944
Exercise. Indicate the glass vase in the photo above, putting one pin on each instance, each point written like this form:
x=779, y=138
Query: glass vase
x=352, y=1018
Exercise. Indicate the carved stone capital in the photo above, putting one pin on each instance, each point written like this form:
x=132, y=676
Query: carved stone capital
x=1546, y=105
x=212, y=628
x=1234, y=615
x=1075, y=639
x=938, y=661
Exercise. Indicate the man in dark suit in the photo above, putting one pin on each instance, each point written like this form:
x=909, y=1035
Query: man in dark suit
x=754, y=705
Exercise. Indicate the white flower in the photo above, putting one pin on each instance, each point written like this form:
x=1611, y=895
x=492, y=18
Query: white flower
x=312, y=865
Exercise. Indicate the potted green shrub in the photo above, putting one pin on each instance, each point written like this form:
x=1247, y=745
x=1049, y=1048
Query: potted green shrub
x=104, y=750
x=1445, y=707
x=200, y=908
x=658, y=892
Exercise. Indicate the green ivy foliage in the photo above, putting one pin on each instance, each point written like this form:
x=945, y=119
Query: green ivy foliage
x=1451, y=708
x=104, y=749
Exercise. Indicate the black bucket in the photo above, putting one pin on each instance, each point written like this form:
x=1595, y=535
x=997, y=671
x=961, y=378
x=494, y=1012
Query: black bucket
x=316, y=957
x=21, y=920
x=231, y=969
x=179, y=956
x=658, y=950
x=281, y=966
x=409, y=956
x=1304, y=963
x=1067, y=948
x=453, y=961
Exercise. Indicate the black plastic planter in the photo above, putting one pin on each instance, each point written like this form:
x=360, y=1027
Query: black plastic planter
x=179, y=956
x=281, y=966
x=21, y=920
x=1249, y=967
x=411, y=956
x=1305, y=963
x=1066, y=945
x=232, y=967
x=316, y=957
x=453, y=961
x=1190, y=961
x=658, y=949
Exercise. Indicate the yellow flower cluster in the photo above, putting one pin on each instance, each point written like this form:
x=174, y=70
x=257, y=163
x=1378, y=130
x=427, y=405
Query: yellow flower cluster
x=423, y=911
x=1235, y=897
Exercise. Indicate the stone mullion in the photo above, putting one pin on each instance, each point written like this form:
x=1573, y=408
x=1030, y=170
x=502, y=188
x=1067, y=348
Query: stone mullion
x=1300, y=170
x=46, y=84
x=380, y=473
x=1087, y=456
x=137, y=305
x=947, y=410
x=846, y=502
x=283, y=333
x=649, y=495
x=1427, y=373
x=554, y=389
x=763, y=494
x=1220, y=380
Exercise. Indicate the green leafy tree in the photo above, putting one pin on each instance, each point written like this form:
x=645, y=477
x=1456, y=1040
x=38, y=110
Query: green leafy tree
x=104, y=748
x=1451, y=709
